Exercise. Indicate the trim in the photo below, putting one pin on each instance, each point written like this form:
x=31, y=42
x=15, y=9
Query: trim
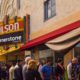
x=51, y=35
x=24, y=29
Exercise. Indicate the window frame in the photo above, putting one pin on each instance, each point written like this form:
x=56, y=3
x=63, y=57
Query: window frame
x=53, y=5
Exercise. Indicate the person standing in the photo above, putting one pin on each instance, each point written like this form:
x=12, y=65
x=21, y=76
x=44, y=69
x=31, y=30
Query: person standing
x=47, y=70
x=4, y=73
x=72, y=70
x=59, y=70
x=18, y=71
x=32, y=72
x=11, y=71
x=43, y=62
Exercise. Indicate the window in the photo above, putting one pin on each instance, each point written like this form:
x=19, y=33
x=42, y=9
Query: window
x=49, y=9
x=18, y=4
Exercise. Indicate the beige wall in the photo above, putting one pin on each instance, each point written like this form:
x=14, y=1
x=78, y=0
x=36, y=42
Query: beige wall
x=35, y=8
x=67, y=11
x=56, y=25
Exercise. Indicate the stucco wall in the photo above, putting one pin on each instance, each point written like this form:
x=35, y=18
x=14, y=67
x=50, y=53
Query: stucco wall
x=56, y=25
x=64, y=9
x=67, y=11
x=35, y=8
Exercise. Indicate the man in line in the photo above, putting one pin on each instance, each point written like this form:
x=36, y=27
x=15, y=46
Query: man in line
x=18, y=71
x=47, y=70
x=72, y=70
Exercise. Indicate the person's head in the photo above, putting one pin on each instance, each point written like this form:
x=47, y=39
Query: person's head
x=48, y=61
x=60, y=61
x=43, y=61
x=74, y=60
x=19, y=62
x=32, y=65
x=27, y=59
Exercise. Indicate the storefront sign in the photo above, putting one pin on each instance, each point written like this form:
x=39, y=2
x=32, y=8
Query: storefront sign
x=11, y=27
x=13, y=34
x=11, y=38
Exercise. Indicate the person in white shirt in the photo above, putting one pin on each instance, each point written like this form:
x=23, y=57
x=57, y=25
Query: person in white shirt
x=11, y=71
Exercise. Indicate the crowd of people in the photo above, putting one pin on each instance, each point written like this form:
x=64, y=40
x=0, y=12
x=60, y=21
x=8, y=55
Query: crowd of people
x=32, y=70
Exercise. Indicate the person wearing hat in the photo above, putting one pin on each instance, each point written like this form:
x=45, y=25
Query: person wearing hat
x=32, y=72
x=72, y=70
x=24, y=69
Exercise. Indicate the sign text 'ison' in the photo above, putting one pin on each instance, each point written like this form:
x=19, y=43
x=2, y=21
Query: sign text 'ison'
x=10, y=27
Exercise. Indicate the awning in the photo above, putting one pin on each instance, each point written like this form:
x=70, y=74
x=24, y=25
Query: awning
x=52, y=35
x=65, y=41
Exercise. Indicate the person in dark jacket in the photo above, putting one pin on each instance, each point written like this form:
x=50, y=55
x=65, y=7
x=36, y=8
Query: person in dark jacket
x=59, y=70
x=18, y=71
x=4, y=72
x=32, y=72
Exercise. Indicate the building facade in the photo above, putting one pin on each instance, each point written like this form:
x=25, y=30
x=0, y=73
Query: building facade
x=46, y=16
x=8, y=28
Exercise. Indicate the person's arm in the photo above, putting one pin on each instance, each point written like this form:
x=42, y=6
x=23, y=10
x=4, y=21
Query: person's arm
x=42, y=73
x=24, y=72
x=52, y=73
x=69, y=71
x=10, y=74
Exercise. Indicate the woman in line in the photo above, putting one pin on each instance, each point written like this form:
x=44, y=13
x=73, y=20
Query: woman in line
x=32, y=72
